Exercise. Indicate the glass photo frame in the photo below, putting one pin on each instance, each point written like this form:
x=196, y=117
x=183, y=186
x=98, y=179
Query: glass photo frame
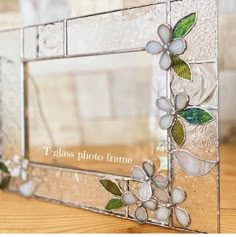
x=116, y=113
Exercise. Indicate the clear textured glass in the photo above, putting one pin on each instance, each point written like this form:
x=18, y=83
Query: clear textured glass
x=203, y=90
x=113, y=31
x=11, y=97
x=202, y=40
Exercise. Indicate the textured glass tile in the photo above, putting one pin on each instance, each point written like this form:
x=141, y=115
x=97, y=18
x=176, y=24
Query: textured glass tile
x=30, y=42
x=10, y=77
x=73, y=188
x=51, y=40
x=202, y=199
x=202, y=40
x=203, y=89
x=87, y=7
x=201, y=140
x=115, y=31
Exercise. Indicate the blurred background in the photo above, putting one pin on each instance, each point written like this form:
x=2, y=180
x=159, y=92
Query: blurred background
x=106, y=111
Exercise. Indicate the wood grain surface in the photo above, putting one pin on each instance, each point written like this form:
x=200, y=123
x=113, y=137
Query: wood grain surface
x=22, y=215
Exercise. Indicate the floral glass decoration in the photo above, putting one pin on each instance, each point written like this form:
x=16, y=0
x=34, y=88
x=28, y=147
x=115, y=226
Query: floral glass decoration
x=152, y=195
x=173, y=44
x=173, y=120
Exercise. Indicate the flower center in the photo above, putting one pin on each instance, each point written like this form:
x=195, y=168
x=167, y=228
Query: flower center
x=166, y=47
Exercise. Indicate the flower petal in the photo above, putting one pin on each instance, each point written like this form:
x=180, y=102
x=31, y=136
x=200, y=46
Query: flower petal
x=138, y=174
x=165, y=61
x=160, y=181
x=181, y=101
x=164, y=104
x=165, y=33
x=177, y=46
x=178, y=196
x=166, y=121
x=145, y=191
x=24, y=175
x=182, y=217
x=153, y=47
x=150, y=205
x=141, y=215
x=27, y=189
x=163, y=213
x=161, y=195
x=16, y=171
x=149, y=168
x=16, y=159
x=129, y=198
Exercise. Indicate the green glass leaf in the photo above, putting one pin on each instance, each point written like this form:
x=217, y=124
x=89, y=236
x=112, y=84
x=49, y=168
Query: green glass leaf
x=5, y=182
x=114, y=203
x=184, y=26
x=181, y=68
x=4, y=168
x=178, y=132
x=111, y=186
x=196, y=116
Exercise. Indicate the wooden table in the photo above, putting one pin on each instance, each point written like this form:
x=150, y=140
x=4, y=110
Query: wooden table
x=21, y=215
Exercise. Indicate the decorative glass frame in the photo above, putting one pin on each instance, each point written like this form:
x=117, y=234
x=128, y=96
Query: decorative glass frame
x=189, y=198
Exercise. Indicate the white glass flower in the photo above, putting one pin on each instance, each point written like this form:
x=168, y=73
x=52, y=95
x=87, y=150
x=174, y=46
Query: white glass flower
x=167, y=47
x=18, y=167
x=146, y=176
x=181, y=101
x=163, y=213
x=141, y=214
x=151, y=191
